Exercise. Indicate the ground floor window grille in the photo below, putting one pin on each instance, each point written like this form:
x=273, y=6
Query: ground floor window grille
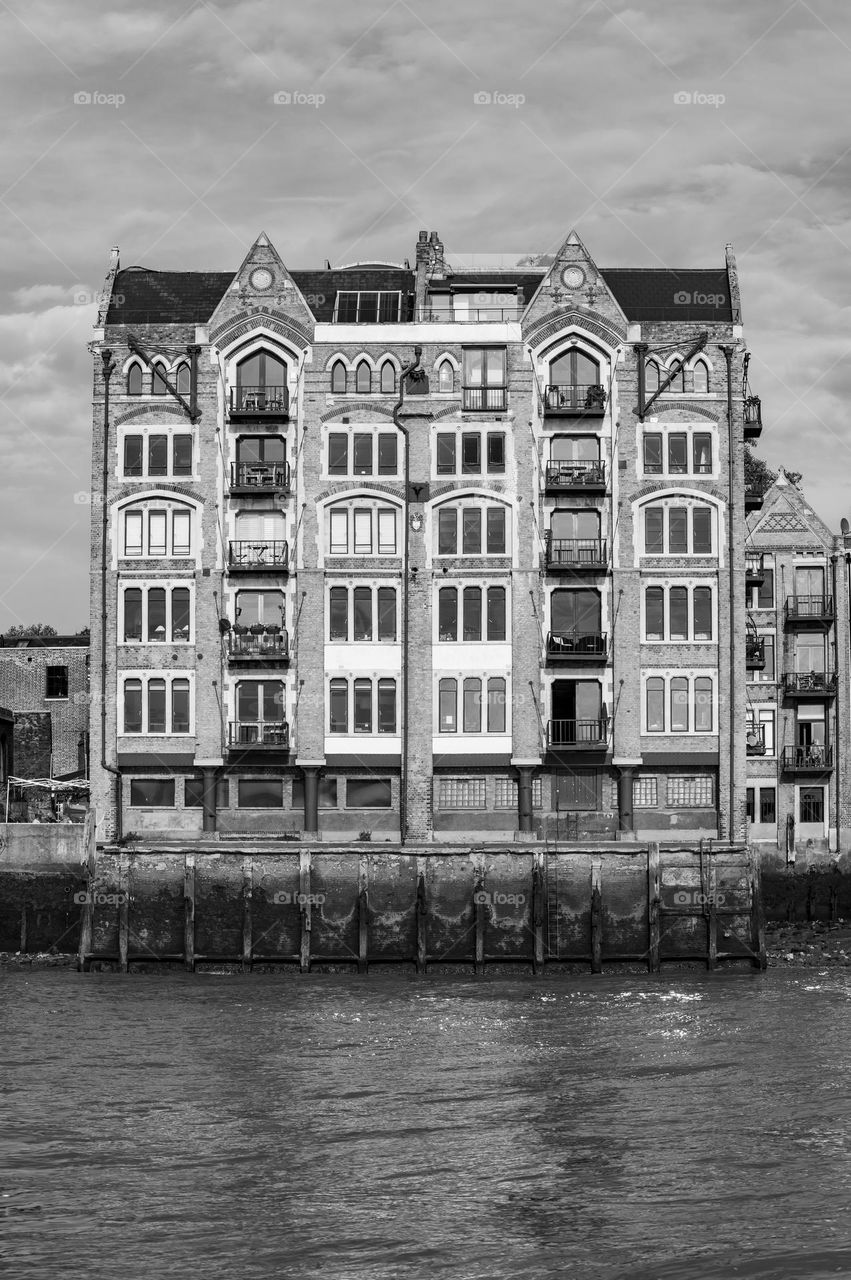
x=645, y=793
x=696, y=792
x=505, y=793
x=461, y=793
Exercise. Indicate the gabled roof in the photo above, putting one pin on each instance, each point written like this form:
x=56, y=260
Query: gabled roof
x=651, y=293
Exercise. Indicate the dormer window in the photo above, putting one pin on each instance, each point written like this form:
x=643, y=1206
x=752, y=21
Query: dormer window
x=377, y=307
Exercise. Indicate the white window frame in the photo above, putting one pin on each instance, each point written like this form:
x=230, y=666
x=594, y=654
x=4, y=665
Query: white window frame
x=689, y=429
x=349, y=585
x=169, y=675
x=680, y=501
x=484, y=585
x=362, y=429
x=459, y=732
x=460, y=430
x=146, y=585
x=380, y=512
x=381, y=293
x=146, y=431
x=690, y=585
x=155, y=505
x=691, y=675
x=374, y=677
x=459, y=503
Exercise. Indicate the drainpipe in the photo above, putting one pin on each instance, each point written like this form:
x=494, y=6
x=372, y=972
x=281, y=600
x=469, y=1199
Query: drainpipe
x=836, y=722
x=734, y=728
x=403, y=786
x=108, y=368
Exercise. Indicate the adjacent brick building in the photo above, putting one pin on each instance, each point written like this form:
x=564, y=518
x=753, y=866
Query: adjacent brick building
x=44, y=688
x=506, y=604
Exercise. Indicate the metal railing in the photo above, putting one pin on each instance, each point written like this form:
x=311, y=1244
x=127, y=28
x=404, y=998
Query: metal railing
x=811, y=758
x=755, y=570
x=258, y=553
x=577, y=644
x=754, y=653
x=271, y=735
x=260, y=400
x=810, y=683
x=577, y=733
x=584, y=474
x=262, y=477
x=268, y=644
x=575, y=553
x=752, y=411
x=472, y=315
x=492, y=399
x=575, y=397
x=809, y=608
x=755, y=740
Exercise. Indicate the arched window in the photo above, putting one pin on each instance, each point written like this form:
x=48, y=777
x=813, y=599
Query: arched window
x=134, y=380
x=677, y=383
x=388, y=378
x=183, y=382
x=700, y=375
x=261, y=382
x=158, y=387
x=446, y=377
x=651, y=377
x=363, y=378
x=338, y=378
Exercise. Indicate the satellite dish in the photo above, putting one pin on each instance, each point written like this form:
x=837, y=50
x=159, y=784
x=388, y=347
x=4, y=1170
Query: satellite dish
x=843, y=525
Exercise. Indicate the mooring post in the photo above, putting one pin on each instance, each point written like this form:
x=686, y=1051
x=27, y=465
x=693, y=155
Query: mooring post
x=479, y=907
x=189, y=912
x=304, y=905
x=88, y=914
x=247, y=893
x=123, y=912
x=363, y=912
x=711, y=908
x=757, y=913
x=654, y=893
x=596, y=916
x=422, y=919
x=537, y=911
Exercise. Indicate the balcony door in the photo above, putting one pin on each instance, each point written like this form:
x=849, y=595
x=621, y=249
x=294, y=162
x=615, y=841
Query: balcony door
x=575, y=614
x=575, y=449
x=577, y=710
x=810, y=654
x=809, y=581
x=574, y=369
x=576, y=526
x=260, y=710
x=811, y=728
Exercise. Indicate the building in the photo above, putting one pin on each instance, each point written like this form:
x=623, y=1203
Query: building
x=44, y=691
x=798, y=690
x=506, y=604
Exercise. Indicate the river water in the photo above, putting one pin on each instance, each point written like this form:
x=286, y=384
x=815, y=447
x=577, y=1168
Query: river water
x=258, y=1127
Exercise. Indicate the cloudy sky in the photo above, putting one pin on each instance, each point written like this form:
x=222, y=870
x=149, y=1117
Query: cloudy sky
x=661, y=131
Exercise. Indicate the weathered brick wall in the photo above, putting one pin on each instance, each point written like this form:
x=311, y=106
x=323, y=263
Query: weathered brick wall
x=23, y=688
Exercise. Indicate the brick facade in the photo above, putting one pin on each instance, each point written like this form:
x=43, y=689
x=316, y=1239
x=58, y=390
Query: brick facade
x=50, y=722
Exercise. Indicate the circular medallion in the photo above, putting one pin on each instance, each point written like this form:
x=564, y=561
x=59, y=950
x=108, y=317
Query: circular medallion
x=573, y=277
x=261, y=279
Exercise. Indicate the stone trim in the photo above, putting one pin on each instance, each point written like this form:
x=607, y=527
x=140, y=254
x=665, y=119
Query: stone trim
x=152, y=411
x=351, y=406
x=284, y=326
x=591, y=321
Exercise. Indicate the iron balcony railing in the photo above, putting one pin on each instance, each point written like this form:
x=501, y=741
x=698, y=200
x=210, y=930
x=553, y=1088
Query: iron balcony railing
x=268, y=401
x=753, y=499
x=752, y=410
x=808, y=758
x=577, y=733
x=809, y=608
x=484, y=399
x=260, y=477
x=271, y=736
x=755, y=653
x=755, y=740
x=580, y=646
x=268, y=644
x=472, y=315
x=585, y=474
x=258, y=555
x=754, y=571
x=810, y=684
x=575, y=398
x=575, y=553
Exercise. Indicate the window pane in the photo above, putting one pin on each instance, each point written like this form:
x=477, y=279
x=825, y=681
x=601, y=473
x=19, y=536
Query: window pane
x=260, y=793
x=273, y=702
x=447, y=694
x=471, y=453
x=447, y=624
x=368, y=793
x=134, y=380
x=471, y=522
x=362, y=455
x=363, y=706
x=472, y=613
x=749, y=803
x=765, y=593
x=156, y=706
x=496, y=531
x=133, y=614
x=494, y=359
x=768, y=649
x=703, y=699
x=387, y=454
x=654, y=613
x=677, y=531
x=338, y=377
x=339, y=533
x=447, y=533
x=182, y=446
x=248, y=693
x=180, y=533
x=132, y=706
x=386, y=613
x=388, y=378
x=152, y=793
x=702, y=453
x=339, y=703
x=496, y=452
x=387, y=533
x=157, y=455
x=679, y=613
x=655, y=705
x=679, y=705
x=156, y=614
x=703, y=613
x=183, y=382
x=446, y=377
x=473, y=367
x=652, y=454
x=473, y=706
x=812, y=804
x=133, y=533
x=338, y=613
x=363, y=379
x=702, y=528
x=700, y=378
x=496, y=613
x=180, y=706
x=654, y=522
x=677, y=453
x=367, y=308
x=363, y=613
x=180, y=613
x=768, y=804
x=338, y=453
x=132, y=455
x=387, y=706
x=158, y=387
x=496, y=705
x=445, y=454
x=157, y=524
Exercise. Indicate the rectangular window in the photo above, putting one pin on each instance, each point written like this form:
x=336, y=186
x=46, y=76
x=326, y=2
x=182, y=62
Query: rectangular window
x=471, y=453
x=655, y=705
x=133, y=533
x=387, y=454
x=679, y=704
x=812, y=804
x=767, y=674
x=339, y=533
x=702, y=449
x=768, y=804
x=702, y=531
x=677, y=531
x=180, y=533
x=180, y=706
x=363, y=706
x=461, y=793
x=156, y=615
x=387, y=533
x=56, y=682
x=133, y=614
x=654, y=613
x=338, y=454
x=678, y=613
x=447, y=706
x=472, y=613
x=327, y=793
x=677, y=454
x=368, y=793
x=338, y=613
x=765, y=593
x=363, y=532
x=496, y=613
x=157, y=455
x=362, y=455
x=578, y=789
x=156, y=706
x=496, y=531
x=152, y=793
x=473, y=705
x=496, y=704
x=133, y=455
x=182, y=455
x=704, y=700
x=132, y=706
x=180, y=614
x=471, y=521
x=703, y=613
x=696, y=792
x=260, y=793
x=749, y=804
x=447, y=613
x=654, y=523
x=652, y=454
x=447, y=533
x=496, y=452
x=193, y=793
x=645, y=792
x=505, y=793
x=362, y=614
x=339, y=706
x=445, y=455
x=386, y=613
x=387, y=706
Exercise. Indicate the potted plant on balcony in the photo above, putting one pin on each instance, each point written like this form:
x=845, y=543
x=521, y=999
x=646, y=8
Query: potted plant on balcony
x=257, y=628
x=595, y=398
x=239, y=629
x=224, y=625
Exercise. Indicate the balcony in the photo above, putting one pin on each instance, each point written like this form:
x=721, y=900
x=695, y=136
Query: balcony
x=755, y=740
x=754, y=653
x=485, y=399
x=808, y=759
x=577, y=646
x=259, y=737
x=754, y=571
x=810, y=684
x=575, y=555
x=575, y=400
x=259, y=402
x=577, y=735
x=579, y=477
x=809, y=610
x=260, y=556
x=752, y=418
x=259, y=477
x=469, y=315
x=753, y=499
x=265, y=646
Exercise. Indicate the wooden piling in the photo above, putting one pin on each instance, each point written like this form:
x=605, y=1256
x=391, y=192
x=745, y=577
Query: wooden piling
x=538, y=907
x=654, y=898
x=123, y=912
x=304, y=909
x=596, y=916
x=757, y=912
x=711, y=914
x=363, y=912
x=189, y=912
x=422, y=921
x=88, y=912
x=479, y=916
x=247, y=892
